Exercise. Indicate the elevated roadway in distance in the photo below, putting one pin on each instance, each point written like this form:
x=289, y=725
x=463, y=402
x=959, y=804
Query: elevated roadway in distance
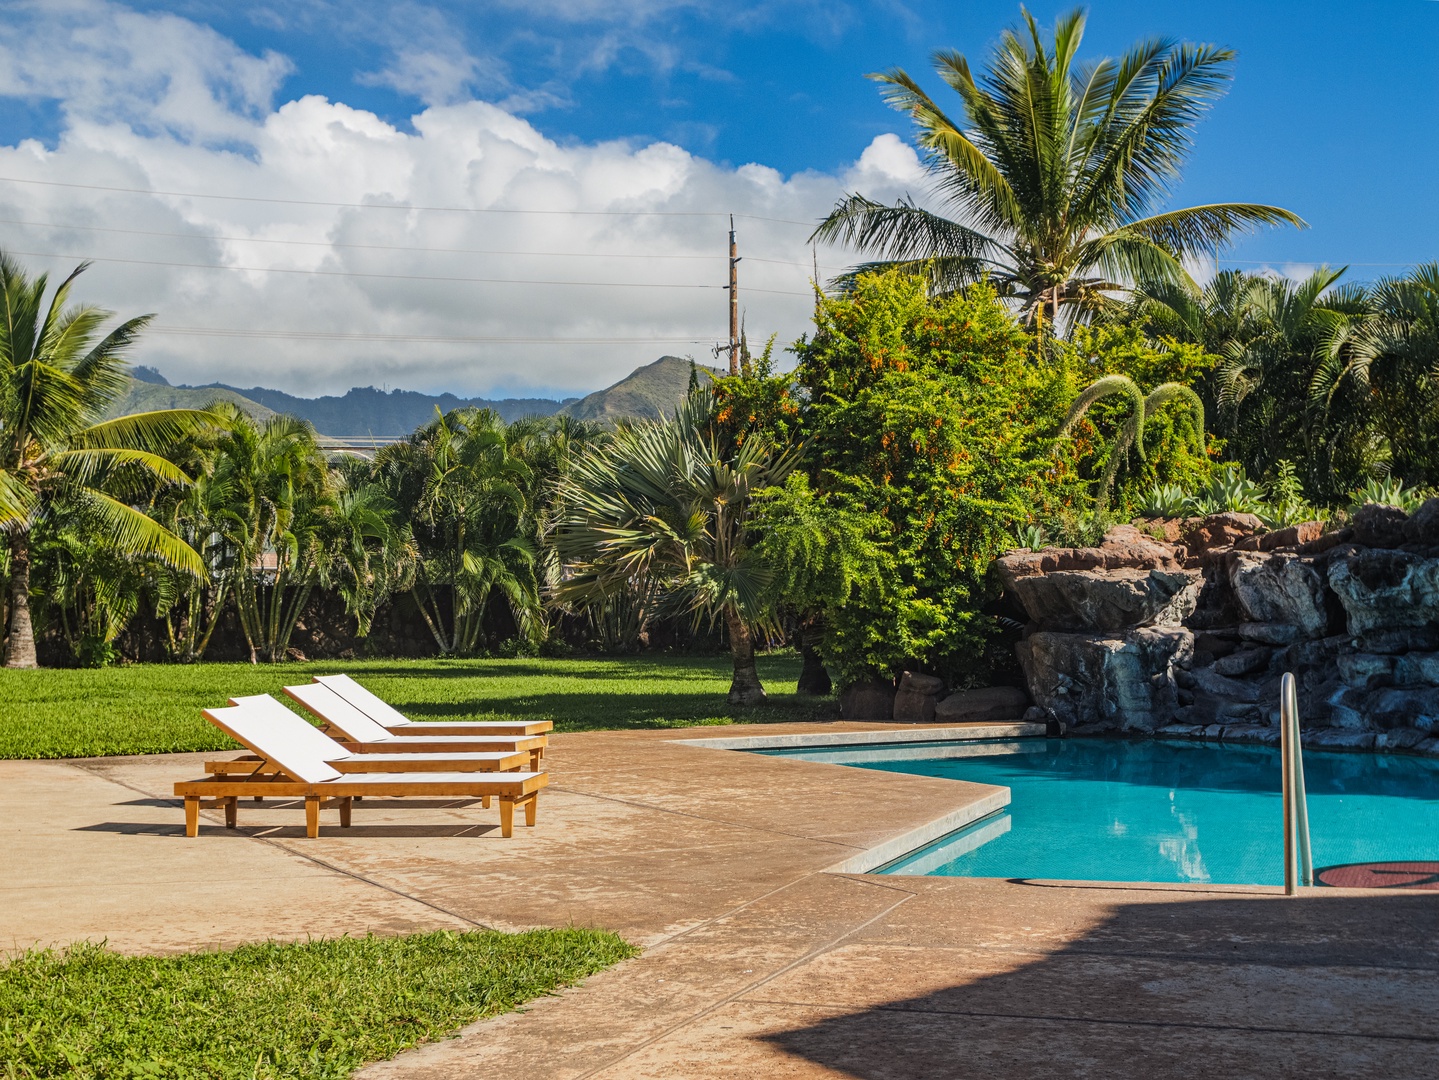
x=363, y=446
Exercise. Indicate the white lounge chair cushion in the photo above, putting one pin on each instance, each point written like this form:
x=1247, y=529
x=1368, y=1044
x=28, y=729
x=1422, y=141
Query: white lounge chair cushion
x=376, y=708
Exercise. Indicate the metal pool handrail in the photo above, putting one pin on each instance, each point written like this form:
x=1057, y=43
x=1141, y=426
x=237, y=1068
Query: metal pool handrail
x=1298, y=862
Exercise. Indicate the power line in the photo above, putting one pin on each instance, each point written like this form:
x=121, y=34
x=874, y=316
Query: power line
x=358, y=274
x=320, y=335
x=404, y=206
x=388, y=247
x=394, y=277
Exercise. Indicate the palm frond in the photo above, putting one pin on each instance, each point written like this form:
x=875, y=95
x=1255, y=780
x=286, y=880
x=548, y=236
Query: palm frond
x=131, y=532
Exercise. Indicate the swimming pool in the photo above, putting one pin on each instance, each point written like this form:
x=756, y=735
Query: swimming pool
x=1118, y=810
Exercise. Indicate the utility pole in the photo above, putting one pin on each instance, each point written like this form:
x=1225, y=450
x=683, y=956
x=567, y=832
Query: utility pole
x=733, y=301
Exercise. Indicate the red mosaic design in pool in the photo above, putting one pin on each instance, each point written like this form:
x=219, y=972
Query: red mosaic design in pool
x=1381, y=875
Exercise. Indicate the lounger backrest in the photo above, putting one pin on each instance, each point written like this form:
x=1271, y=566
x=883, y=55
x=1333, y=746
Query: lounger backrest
x=374, y=707
x=333, y=709
x=274, y=732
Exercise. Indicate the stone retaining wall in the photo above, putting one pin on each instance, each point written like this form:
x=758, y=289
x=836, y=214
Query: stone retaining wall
x=1189, y=634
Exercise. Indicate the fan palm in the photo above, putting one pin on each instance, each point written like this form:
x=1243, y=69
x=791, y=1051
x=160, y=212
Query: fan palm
x=663, y=508
x=56, y=381
x=1055, y=173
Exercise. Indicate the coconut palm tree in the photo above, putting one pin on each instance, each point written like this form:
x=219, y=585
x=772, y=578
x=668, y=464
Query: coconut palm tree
x=56, y=381
x=662, y=508
x=1054, y=174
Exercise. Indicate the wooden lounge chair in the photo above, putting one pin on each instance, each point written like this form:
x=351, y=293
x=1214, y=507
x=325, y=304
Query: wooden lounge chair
x=299, y=751
x=387, y=716
x=347, y=760
x=367, y=736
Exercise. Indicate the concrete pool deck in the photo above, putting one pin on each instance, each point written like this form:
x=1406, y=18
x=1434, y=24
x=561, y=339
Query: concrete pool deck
x=760, y=959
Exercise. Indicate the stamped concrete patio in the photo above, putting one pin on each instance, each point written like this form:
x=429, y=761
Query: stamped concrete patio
x=761, y=960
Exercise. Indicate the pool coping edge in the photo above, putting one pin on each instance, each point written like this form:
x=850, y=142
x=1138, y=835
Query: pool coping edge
x=991, y=799
x=1006, y=730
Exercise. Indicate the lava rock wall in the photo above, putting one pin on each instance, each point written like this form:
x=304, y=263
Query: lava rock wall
x=1189, y=634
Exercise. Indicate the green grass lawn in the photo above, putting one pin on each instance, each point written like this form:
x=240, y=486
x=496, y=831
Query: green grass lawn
x=155, y=708
x=316, y=1009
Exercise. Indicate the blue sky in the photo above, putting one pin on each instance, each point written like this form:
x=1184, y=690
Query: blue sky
x=1332, y=113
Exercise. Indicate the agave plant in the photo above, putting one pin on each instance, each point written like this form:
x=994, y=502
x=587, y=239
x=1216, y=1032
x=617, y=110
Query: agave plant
x=1228, y=491
x=1032, y=537
x=1165, y=501
x=1389, y=492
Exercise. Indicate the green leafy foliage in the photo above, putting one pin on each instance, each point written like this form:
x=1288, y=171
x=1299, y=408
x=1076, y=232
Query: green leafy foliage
x=664, y=510
x=1133, y=418
x=57, y=376
x=315, y=1009
x=933, y=416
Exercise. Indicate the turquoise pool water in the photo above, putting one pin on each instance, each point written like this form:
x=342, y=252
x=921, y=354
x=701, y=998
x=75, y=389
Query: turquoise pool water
x=1112, y=810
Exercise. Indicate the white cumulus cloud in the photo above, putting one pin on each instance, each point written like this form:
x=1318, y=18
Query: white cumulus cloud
x=347, y=242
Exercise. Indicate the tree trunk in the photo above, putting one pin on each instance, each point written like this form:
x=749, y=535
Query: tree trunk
x=20, y=642
x=813, y=678
x=746, y=688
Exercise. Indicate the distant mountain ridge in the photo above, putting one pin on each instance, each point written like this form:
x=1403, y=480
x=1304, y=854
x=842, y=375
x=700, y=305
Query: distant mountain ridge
x=365, y=410
x=649, y=392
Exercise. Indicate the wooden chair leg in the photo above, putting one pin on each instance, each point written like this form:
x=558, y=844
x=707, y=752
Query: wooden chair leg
x=484, y=802
x=507, y=815
x=532, y=806
x=312, y=816
x=345, y=813
x=232, y=812
x=192, y=815
x=535, y=756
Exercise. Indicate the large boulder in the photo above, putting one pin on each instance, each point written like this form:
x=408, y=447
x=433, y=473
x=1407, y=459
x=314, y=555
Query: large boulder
x=1278, y=589
x=1108, y=600
x=1129, y=580
x=1385, y=590
x=867, y=701
x=1123, y=548
x=915, y=699
x=1218, y=531
x=1098, y=682
x=993, y=704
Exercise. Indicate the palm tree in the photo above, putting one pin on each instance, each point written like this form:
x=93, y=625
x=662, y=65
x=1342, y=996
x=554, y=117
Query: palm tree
x=1055, y=174
x=280, y=495
x=1285, y=349
x=56, y=381
x=663, y=508
x=1384, y=348
x=466, y=494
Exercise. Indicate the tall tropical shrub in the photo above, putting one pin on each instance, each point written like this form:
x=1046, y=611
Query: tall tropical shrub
x=464, y=492
x=938, y=417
